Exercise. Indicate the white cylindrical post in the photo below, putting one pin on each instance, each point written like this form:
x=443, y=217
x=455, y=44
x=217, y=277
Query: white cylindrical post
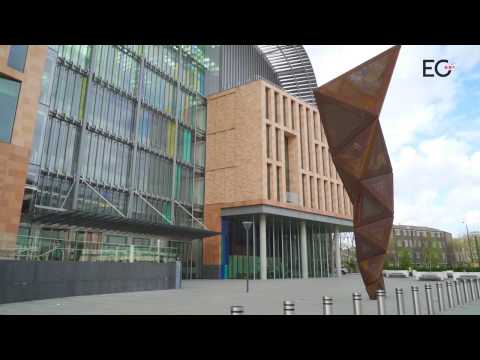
x=132, y=253
x=465, y=293
x=449, y=295
x=357, y=303
x=399, y=298
x=303, y=245
x=428, y=298
x=327, y=305
x=263, y=247
x=288, y=307
x=440, y=296
x=381, y=302
x=338, y=257
x=457, y=293
x=416, y=301
x=236, y=310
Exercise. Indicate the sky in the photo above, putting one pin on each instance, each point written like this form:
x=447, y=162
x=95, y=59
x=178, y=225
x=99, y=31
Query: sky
x=431, y=127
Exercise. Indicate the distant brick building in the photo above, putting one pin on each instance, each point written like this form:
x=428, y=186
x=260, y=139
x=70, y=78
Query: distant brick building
x=417, y=239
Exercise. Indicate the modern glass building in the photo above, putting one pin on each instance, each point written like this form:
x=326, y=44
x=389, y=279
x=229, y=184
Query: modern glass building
x=120, y=134
x=118, y=152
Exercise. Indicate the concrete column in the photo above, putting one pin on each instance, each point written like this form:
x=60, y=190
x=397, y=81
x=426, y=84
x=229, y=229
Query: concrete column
x=338, y=258
x=303, y=246
x=263, y=247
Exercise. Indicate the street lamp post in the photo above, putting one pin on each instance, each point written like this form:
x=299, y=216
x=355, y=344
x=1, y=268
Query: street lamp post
x=468, y=241
x=478, y=253
x=247, y=225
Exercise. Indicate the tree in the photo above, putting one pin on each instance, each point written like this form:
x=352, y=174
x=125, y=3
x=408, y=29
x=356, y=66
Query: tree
x=404, y=258
x=431, y=253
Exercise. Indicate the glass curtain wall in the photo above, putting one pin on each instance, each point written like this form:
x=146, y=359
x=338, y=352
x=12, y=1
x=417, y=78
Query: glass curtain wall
x=142, y=100
x=128, y=119
x=283, y=248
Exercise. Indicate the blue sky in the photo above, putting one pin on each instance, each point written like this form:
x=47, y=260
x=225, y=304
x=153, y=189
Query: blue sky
x=431, y=127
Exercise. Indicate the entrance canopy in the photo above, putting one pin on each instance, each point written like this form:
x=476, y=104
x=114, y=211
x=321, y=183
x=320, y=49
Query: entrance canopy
x=99, y=222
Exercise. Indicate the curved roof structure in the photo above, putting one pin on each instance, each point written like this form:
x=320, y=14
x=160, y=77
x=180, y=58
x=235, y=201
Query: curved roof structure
x=294, y=69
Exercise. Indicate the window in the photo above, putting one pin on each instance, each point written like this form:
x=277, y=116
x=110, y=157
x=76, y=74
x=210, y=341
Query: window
x=312, y=198
x=279, y=171
x=269, y=150
x=321, y=195
x=328, y=199
x=17, y=57
x=276, y=107
x=307, y=130
x=9, y=91
x=292, y=117
x=301, y=136
x=333, y=193
x=269, y=179
x=304, y=190
x=277, y=143
x=267, y=101
x=287, y=165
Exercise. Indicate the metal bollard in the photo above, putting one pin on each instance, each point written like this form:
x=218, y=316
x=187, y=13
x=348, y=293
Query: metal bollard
x=449, y=295
x=428, y=297
x=477, y=287
x=381, y=301
x=357, y=303
x=474, y=287
x=465, y=293
x=416, y=301
x=236, y=310
x=457, y=293
x=470, y=287
x=440, y=296
x=288, y=307
x=327, y=305
x=399, y=298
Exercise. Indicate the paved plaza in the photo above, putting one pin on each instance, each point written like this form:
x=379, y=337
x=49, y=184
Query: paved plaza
x=214, y=297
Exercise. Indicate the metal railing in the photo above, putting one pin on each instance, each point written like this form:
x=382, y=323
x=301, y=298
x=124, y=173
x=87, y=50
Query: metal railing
x=54, y=249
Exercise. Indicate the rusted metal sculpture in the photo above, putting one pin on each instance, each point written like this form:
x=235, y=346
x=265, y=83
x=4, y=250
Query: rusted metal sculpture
x=349, y=107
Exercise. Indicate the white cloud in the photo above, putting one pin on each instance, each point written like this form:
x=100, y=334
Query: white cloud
x=436, y=167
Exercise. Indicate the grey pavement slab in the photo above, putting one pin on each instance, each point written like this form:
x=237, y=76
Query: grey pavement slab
x=214, y=297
